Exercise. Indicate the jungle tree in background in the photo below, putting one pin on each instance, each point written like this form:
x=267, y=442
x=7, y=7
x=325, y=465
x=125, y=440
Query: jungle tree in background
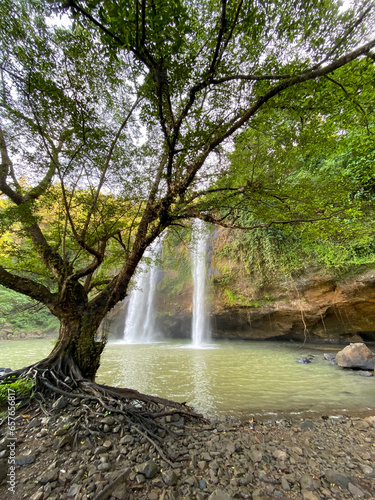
x=118, y=120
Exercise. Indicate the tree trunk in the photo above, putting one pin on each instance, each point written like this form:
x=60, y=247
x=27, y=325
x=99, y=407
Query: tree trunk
x=77, y=351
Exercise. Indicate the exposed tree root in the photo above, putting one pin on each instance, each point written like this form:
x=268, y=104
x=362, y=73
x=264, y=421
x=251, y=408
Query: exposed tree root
x=132, y=410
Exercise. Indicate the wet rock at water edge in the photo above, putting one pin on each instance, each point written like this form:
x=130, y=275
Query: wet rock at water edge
x=365, y=373
x=3, y=371
x=303, y=360
x=330, y=357
x=356, y=355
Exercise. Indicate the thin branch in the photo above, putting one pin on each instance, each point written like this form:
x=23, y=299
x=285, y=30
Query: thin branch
x=342, y=40
x=215, y=220
x=223, y=23
x=106, y=166
x=354, y=101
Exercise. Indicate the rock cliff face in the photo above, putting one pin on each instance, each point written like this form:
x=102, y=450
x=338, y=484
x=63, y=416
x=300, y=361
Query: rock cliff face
x=315, y=308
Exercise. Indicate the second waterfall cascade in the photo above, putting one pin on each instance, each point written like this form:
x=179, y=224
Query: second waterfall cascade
x=201, y=331
x=140, y=319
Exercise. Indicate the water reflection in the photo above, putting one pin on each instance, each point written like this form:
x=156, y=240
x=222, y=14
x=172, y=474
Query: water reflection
x=201, y=397
x=242, y=378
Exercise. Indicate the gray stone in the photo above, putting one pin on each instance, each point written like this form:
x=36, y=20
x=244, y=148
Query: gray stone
x=34, y=423
x=360, y=424
x=25, y=460
x=231, y=448
x=100, y=449
x=202, y=483
x=192, y=481
x=121, y=493
x=309, y=495
x=127, y=440
x=303, y=361
x=169, y=477
x=366, y=469
x=256, y=456
x=219, y=495
x=148, y=469
x=47, y=489
x=104, y=467
x=42, y=433
x=38, y=495
x=48, y=476
x=280, y=455
x=356, y=355
x=107, y=420
x=107, y=444
x=371, y=421
x=330, y=357
x=335, y=477
x=74, y=490
x=307, y=424
x=61, y=431
x=307, y=483
x=68, y=438
x=285, y=484
x=259, y=495
x=356, y=492
x=60, y=403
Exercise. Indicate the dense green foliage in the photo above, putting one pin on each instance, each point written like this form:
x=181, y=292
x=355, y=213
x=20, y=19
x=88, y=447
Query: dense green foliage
x=18, y=314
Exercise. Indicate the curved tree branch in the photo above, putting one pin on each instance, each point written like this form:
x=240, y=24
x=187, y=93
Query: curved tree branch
x=27, y=287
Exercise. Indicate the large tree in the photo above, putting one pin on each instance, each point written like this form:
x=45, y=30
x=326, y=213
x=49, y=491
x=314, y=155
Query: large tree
x=117, y=119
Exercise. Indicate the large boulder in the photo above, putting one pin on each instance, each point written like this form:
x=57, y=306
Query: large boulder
x=356, y=355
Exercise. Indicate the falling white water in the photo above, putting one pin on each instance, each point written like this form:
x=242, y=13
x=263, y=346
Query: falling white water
x=200, y=241
x=140, y=319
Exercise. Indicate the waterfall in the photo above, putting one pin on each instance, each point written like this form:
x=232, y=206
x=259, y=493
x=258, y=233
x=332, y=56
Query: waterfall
x=199, y=246
x=140, y=319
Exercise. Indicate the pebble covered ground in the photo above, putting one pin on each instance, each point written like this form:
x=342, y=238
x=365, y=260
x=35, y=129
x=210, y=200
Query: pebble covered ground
x=322, y=458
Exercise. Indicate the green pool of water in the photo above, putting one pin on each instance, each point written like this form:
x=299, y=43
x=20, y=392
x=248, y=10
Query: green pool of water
x=237, y=378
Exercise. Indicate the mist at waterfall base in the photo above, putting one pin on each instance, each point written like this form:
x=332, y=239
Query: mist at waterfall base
x=140, y=319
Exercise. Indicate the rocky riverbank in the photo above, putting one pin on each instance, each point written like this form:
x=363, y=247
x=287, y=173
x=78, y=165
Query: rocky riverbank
x=325, y=458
